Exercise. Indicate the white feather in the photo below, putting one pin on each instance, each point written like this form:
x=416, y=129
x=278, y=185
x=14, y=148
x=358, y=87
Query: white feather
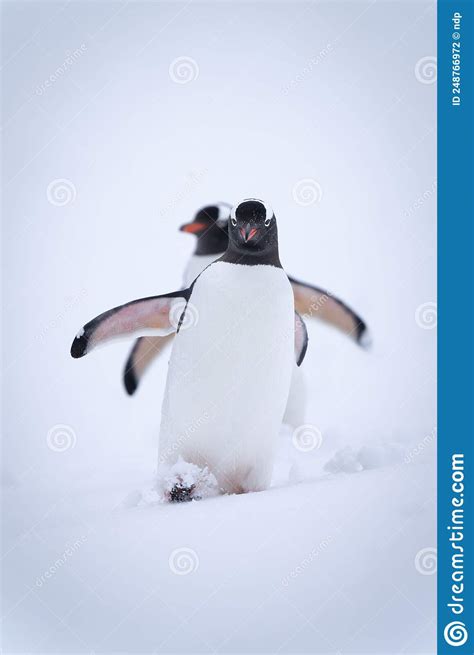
x=196, y=265
x=229, y=375
x=296, y=408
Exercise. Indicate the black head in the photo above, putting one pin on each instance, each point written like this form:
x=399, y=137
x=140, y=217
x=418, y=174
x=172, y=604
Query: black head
x=253, y=232
x=210, y=227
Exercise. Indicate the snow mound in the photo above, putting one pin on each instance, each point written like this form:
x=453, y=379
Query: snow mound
x=344, y=461
x=348, y=460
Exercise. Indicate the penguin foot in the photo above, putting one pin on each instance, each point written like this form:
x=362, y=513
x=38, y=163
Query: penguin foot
x=185, y=481
x=181, y=494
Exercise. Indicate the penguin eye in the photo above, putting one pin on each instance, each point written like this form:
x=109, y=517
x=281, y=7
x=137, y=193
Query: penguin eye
x=267, y=221
x=233, y=221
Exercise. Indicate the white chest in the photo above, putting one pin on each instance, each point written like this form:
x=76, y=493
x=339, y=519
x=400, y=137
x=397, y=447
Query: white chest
x=196, y=265
x=229, y=374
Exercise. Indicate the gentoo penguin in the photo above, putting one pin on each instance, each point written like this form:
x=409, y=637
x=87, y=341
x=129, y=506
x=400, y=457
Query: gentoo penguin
x=231, y=362
x=210, y=228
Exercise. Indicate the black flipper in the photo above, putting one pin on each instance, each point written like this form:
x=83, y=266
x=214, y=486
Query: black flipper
x=301, y=339
x=144, y=351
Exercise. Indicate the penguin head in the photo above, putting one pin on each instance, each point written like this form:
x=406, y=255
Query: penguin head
x=252, y=226
x=209, y=225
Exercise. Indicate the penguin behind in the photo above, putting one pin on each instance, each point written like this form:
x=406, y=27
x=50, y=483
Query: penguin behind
x=210, y=226
x=231, y=362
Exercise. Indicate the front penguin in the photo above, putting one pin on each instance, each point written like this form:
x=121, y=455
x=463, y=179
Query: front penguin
x=230, y=369
x=237, y=335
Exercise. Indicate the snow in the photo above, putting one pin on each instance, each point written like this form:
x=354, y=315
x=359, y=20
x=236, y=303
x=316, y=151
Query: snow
x=322, y=564
x=200, y=481
x=370, y=456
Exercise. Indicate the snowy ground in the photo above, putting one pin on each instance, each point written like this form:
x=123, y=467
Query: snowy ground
x=326, y=563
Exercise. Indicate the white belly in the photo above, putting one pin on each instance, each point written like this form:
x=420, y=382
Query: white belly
x=196, y=265
x=229, y=375
x=296, y=407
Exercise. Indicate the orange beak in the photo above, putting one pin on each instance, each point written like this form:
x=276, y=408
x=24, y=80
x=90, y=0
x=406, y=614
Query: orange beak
x=193, y=228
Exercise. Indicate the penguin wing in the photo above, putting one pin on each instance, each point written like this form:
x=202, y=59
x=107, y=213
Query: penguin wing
x=144, y=351
x=301, y=339
x=158, y=315
x=314, y=302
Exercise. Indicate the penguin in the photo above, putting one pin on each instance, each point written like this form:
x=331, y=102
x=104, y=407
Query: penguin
x=210, y=226
x=231, y=362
